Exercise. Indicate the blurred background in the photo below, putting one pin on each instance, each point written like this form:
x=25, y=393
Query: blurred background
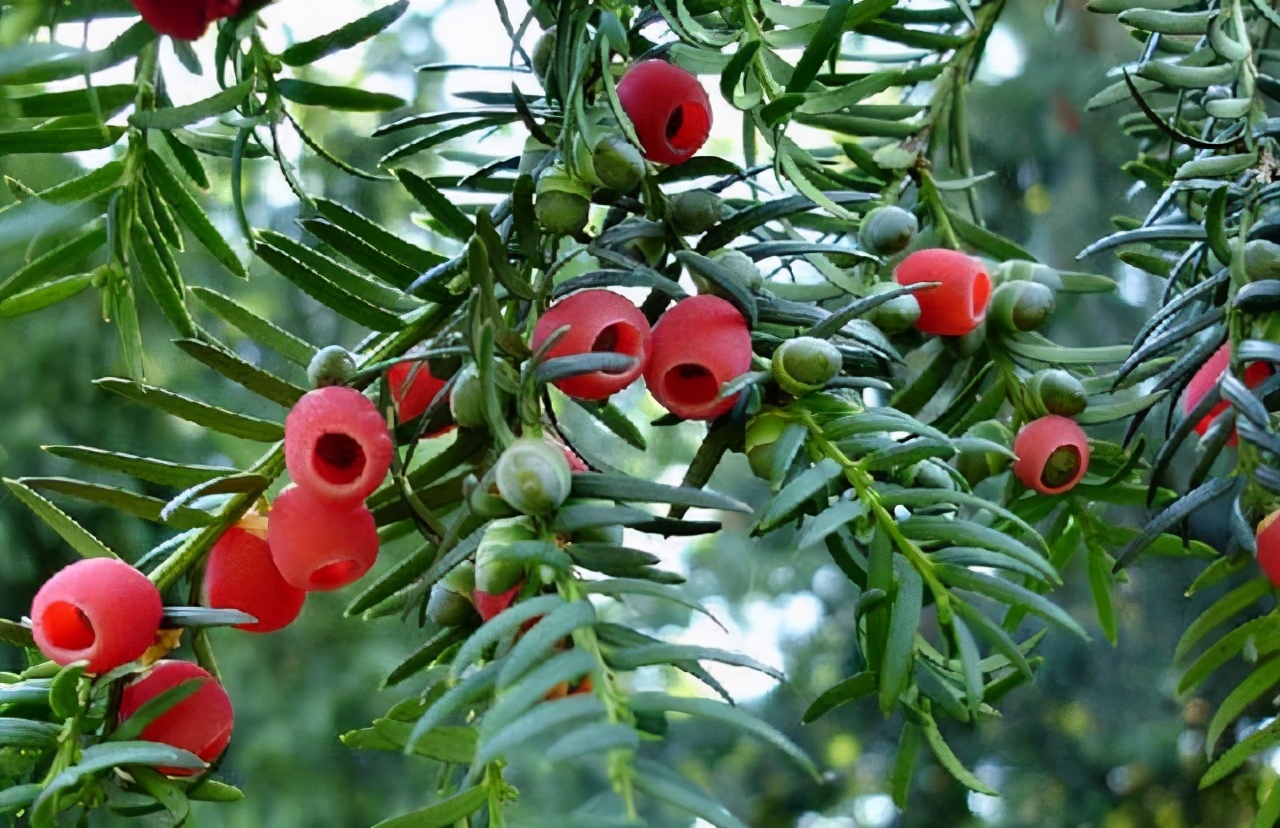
x=1099, y=740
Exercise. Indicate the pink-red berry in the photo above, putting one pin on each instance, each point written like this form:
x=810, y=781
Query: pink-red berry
x=99, y=610
x=184, y=19
x=200, y=724
x=491, y=605
x=598, y=320
x=1204, y=379
x=668, y=108
x=959, y=304
x=319, y=545
x=698, y=345
x=1053, y=454
x=241, y=574
x=1269, y=546
x=336, y=444
x=413, y=388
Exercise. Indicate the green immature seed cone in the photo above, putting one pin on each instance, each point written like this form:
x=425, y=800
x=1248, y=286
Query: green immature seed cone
x=695, y=211
x=929, y=475
x=495, y=573
x=544, y=54
x=887, y=231
x=466, y=402
x=563, y=204
x=762, y=432
x=805, y=364
x=331, y=366
x=618, y=164
x=533, y=476
x=976, y=466
x=740, y=265
x=1021, y=306
x=1058, y=392
x=1261, y=260
x=448, y=608
x=898, y=314
x=461, y=579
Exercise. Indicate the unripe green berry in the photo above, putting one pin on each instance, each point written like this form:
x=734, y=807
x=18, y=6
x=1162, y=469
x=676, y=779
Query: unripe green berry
x=887, y=230
x=618, y=164
x=805, y=364
x=494, y=572
x=1261, y=260
x=977, y=466
x=695, y=211
x=466, y=402
x=1021, y=306
x=544, y=54
x=1058, y=392
x=929, y=475
x=448, y=608
x=762, y=433
x=740, y=265
x=533, y=476
x=331, y=366
x=461, y=579
x=563, y=204
x=898, y=314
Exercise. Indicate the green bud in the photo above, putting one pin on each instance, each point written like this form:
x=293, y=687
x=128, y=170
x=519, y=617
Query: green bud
x=929, y=475
x=331, y=366
x=448, y=608
x=762, y=432
x=896, y=315
x=805, y=364
x=533, y=476
x=694, y=211
x=740, y=265
x=1261, y=260
x=1059, y=392
x=1021, y=306
x=495, y=573
x=544, y=54
x=563, y=204
x=887, y=230
x=618, y=164
x=466, y=402
x=977, y=466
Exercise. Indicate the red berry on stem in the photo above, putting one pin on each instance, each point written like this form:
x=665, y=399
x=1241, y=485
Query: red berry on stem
x=598, y=320
x=698, y=345
x=669, y=109
x=1053, y=454
x=959, y=304
x=200, y=723
x=184, y=19
x=336, y=444
x=318, y=545
x=1269, y=546
x=1204, y=380
x=99, y=610
x=490, y=605
x=240, y=574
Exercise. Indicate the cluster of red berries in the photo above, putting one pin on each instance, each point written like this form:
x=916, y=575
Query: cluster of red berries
x=696, y=346
x=184, y=19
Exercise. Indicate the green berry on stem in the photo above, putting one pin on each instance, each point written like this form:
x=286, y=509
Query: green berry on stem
x=695, y=211
x=618, y=164
x=763, y=432
x=1059, y=392
x=805, y=364
x=739, y=264
x=544, y=54
x=563, y=204
x=977, y=465
x=898, y=314
x=1261, y=260
x=334, y=365
x=887, y=230
x=1021, y=306
x=466, y=403
x=533, y=477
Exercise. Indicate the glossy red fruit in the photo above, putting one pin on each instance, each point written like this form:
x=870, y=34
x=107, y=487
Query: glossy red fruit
x=1269, y=546
x=184, y=19
x=240, y=574
x=336, y=444
x=1203, y=381
x=669, y=109
x=598, y=320
x=99, y=610
x=1053, y=454
x=201, y=723
x=698, y=345
x=491, y=605
x=959, y=304
x=318, y=545
x=413, y=388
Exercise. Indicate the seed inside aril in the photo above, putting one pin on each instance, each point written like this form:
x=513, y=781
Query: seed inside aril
x=69, y=626
x=341, y=458
x=1061, y=467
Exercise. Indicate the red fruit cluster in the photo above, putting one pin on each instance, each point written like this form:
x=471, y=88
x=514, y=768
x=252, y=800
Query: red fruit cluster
x=956, y=306
x=414, y=388
x=184, y=19
x=668, y=108
x=1053, y=454
x=1208, y=376
x=1269, y=546
x=200, y=723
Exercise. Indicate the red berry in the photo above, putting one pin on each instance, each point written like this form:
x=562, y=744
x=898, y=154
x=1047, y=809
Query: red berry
x=413, y=388
x=200, y=723
x=598, y=320
x=99, y=610
x=698, y=345
x=1053, y=454
x=336, y=444
x=490, y=605
x=184, y=19
x=669, y=109
x=1204, y=380
x=956, y=306
x=1269, y=546
x=240, y=574
x=318, y=545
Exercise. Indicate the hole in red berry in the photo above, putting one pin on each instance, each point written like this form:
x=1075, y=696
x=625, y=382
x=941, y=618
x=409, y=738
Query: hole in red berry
x=1061, y=467
x=606, y=340
x=339, y=459
x=691, y=384
x=981, y=294
x=687, y=127
x=333, y=575
x=68, y=627
x=618, y=338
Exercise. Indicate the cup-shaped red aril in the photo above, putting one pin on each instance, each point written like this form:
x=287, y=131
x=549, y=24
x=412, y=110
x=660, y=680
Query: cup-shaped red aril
x=99, y=610
x=668, y=108
x=1053, y=454
x=336, y=444
x=319, y=545
x=1203, y=381
x=959, y=304
x=184, y=19
x=200, y=724
x=598, y=321
x=413, y=388
x=1269, y=546
x=240, y=574
x=698, y=345
x=489, y=605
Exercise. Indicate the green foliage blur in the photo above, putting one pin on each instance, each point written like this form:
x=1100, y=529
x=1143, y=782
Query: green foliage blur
x=1099, y=740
